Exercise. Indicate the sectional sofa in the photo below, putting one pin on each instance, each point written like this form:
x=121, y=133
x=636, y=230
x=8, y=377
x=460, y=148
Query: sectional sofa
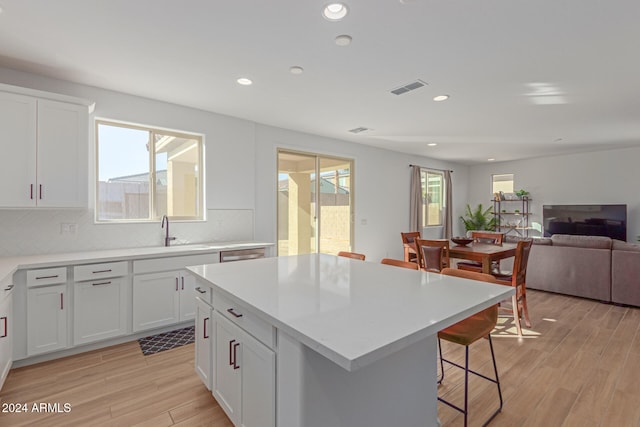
x=592, y=267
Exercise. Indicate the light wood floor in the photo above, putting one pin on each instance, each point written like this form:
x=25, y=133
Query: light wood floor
x=578, y=366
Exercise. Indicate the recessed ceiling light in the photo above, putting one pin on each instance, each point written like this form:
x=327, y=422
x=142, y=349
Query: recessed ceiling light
x=296, y=69
x=491, y=160
x=440, y=98
x=244, y=81
x=335, y=11
x=343, y=40
x=432, y=144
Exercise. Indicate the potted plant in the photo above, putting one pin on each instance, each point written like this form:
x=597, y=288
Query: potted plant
x=522, y=193
x=479, y=219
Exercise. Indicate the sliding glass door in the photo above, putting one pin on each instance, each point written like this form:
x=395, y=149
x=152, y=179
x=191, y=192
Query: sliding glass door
x=315, y=203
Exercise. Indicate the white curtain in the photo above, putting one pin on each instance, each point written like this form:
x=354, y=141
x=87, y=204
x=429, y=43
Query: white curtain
x=416, y=202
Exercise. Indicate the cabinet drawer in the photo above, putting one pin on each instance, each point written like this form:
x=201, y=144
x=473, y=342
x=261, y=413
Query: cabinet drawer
x=46, y=276
x=99, y=271
x=248, y=321
x=172, y=263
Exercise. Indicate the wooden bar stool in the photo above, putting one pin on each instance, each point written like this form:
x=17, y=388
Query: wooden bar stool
x=399, y=263
x=352, y=255
x=465, y=333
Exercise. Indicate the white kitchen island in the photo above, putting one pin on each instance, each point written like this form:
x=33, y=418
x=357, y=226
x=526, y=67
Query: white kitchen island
x=353, y=343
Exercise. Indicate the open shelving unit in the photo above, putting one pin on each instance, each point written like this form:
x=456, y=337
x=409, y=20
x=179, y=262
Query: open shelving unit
x=512, y=216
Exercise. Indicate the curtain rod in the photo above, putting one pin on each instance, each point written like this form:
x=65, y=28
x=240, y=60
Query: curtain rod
x=433, y=169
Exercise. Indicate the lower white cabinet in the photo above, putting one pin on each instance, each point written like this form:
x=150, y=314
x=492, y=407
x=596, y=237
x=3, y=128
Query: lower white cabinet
x=244, y=376
x=161, y=299
x=47, y=318
x=99, y=310
x=204, y=339
x=6, y=331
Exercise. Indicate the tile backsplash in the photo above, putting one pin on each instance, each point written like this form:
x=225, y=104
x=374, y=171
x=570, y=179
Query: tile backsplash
x=35, y=231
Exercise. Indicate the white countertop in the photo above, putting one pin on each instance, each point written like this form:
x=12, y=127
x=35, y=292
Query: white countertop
x=9, y=265
x=350, y=311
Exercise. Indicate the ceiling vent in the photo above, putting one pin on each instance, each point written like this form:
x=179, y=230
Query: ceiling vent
x=409, y=87
x=358, y=130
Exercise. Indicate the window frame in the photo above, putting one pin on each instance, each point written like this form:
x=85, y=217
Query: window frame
x=153, y=130
x=424, y=184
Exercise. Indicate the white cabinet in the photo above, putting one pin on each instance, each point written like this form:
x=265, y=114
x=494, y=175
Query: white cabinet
x=244, y=375
x=45, y=144
x=161, y=299
x=204, y=339
x=18, y=143
x=6, y=330
x=47, y=318
x=100, y=302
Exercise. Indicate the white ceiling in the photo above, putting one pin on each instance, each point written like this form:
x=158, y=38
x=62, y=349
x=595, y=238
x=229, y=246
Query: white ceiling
x=526, y=78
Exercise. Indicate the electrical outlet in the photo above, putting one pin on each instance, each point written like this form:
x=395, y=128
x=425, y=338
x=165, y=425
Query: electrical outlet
x=68, y=228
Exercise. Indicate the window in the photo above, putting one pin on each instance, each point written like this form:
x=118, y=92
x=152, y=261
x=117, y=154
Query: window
x=502, y=182
x=432, y=196
x=144, y=173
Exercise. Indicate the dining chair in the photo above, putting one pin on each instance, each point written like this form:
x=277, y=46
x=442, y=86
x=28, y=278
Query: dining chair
x=433, y=254
x=409, y=245
x=352, y=255
x=467, y=332
x=490, y=237
x=518, y=278
x=400, y=263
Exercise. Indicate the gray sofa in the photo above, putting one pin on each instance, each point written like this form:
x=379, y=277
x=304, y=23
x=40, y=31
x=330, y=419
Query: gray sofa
x=592, y=267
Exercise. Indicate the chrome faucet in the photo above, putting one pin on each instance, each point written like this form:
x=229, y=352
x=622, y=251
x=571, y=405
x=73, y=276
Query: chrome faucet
x=167, y=239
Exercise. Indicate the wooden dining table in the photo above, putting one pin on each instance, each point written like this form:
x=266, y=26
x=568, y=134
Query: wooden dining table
x=485, y=253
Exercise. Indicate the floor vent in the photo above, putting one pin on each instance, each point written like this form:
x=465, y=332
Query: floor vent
x=409, y=87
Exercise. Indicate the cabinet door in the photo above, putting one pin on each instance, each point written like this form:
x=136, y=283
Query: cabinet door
x=187, y=296
x=62, y=159
x=156, y=300
x=226, y=377
x=99, y=310
x=6, y=333
x=204, y=339
x=18, y=145
x=46, y=319
x=258, y=368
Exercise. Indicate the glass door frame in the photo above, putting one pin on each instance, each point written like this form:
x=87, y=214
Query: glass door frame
x=316, y=214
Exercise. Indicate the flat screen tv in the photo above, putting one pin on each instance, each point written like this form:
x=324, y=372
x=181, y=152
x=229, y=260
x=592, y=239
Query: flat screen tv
x=586, y=220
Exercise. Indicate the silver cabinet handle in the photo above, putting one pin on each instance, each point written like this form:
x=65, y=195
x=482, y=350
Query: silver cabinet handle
x=8, y=288
x=47, y=277
x=231, y=310
x=6, y=326
x=200, y=290
x=100, y=283
x=233, y=354
x=101, y=271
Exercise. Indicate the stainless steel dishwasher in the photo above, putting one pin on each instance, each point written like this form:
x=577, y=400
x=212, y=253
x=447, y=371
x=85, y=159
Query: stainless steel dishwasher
x=241, y=254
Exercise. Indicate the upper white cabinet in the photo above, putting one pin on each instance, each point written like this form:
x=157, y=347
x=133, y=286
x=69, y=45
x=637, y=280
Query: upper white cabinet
x=45, y=147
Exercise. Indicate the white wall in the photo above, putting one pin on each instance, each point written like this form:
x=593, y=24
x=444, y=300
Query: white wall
x=229, y=179
x=240, y=182
x=605, y=177
x=381, y=188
